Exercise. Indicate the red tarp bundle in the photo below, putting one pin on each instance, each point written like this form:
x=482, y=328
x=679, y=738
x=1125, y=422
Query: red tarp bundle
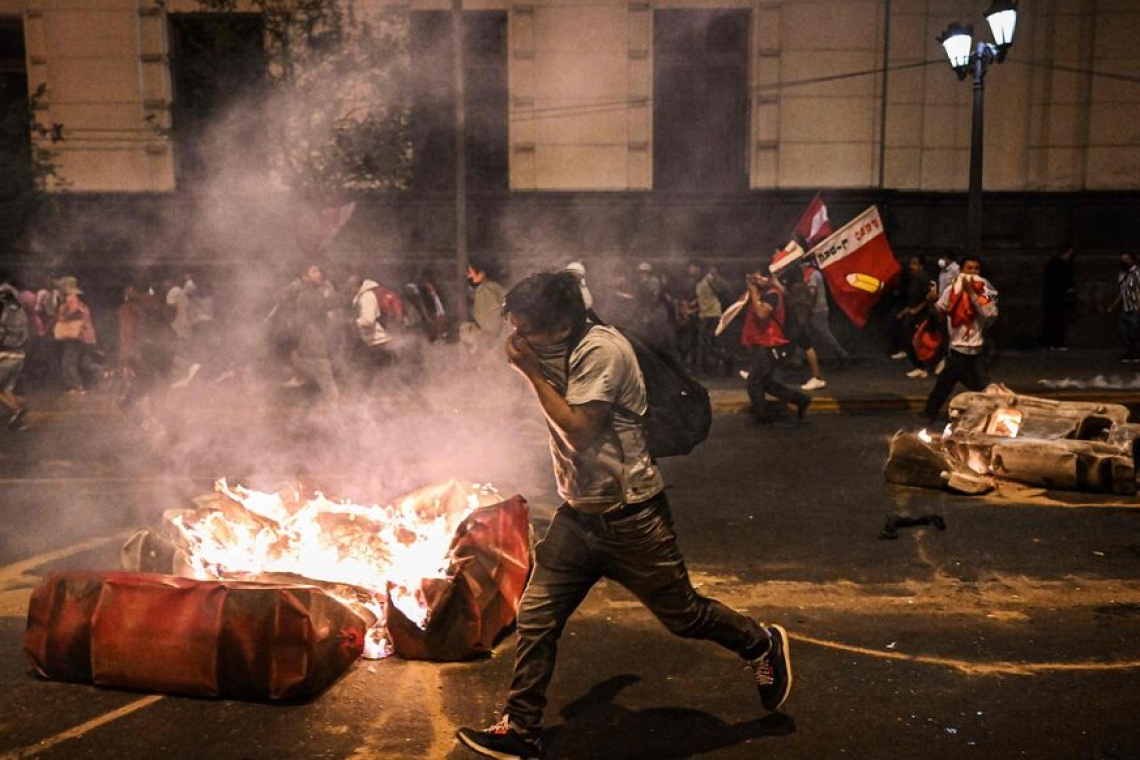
x=472, y=608
x=202, y=638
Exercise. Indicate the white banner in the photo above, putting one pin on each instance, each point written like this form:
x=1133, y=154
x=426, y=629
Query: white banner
x=848, y=239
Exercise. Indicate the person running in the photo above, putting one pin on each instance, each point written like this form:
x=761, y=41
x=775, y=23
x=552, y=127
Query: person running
x=763, y=336
x=969, y=305
x=15, y=332
x=615, y=521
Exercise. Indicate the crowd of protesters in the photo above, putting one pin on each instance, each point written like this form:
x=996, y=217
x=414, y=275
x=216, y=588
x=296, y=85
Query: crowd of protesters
x=328, y=334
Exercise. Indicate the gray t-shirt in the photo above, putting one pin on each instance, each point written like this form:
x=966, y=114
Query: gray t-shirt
x=816, y=283
x=617, y=467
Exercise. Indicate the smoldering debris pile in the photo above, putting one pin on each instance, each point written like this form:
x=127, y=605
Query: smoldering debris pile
x=1000, y=435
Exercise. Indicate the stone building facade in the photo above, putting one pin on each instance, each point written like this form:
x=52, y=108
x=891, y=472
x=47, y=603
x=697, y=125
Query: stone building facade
x=669, y=128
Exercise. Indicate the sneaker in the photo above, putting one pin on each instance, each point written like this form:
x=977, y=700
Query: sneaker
x=814, y=384
x=898, y=355
x=917, y=372
x=500, y=741
x=16, y=421
x=743, y=374
x=773, y=669
x=802, y=404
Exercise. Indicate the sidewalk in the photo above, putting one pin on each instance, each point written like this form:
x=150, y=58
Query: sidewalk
x=869, y=384
x=880, y=384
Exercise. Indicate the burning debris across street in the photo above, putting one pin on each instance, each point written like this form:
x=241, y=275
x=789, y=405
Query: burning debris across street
x=1000, y=435
x=436, y=574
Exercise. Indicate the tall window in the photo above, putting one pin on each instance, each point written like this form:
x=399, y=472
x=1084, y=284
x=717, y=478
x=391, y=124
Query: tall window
x=485, y=87
x=700, y=99
x=15, y=137
x=215, y=60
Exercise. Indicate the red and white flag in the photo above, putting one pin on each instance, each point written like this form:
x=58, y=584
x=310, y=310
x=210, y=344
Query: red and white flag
x=789, y=254
x=814, y=225
x=333, y=221
x=858, y=264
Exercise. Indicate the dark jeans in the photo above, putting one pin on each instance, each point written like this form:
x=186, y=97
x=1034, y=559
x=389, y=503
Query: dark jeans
x=709, y=350
x=968, y=369
x=1129, y=326
x=1055, y=324
x=637, y=549
x=761, y=367
x=76, y=361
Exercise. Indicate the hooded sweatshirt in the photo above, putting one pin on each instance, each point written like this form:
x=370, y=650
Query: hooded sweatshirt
x=367, y=306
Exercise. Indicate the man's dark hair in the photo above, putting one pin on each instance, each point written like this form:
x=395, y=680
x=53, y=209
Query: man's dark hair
x=548, y=300
x=918, y=257
x=972, y=258
x=483, y=266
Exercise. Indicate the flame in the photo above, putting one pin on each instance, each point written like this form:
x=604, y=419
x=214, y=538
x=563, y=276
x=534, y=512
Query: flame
x=1005, y=422
x=382, y=552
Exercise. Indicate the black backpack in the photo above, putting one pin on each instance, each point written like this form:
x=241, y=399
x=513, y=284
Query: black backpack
x=15, y=327
x=679, y=412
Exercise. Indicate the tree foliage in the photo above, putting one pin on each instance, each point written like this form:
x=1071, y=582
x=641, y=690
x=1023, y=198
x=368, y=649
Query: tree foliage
x=335, y=111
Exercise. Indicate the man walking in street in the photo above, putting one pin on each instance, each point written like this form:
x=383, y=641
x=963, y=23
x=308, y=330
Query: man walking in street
x=1128, y=299
x=486, y=324
x=615, y=522
x=819, y=324
x=969, y=305
x=15, y=332
x=708, y=288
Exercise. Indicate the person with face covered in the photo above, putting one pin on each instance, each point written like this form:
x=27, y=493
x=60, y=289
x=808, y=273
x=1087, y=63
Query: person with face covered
x=615, y=521
x=763, y=336
x=969, y=308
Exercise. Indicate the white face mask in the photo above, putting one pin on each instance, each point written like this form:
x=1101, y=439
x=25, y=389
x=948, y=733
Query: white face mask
x=942, y=263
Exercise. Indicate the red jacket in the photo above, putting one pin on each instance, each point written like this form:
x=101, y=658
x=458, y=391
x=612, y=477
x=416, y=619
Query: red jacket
x=765, y=332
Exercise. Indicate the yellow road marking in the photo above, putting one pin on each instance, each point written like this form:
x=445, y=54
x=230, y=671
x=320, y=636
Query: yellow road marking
x=974, y=668
x=18, y=574
x=84, y=728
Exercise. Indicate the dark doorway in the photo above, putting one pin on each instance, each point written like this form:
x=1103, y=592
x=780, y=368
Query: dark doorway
x=216, y=60
x=15, y=134
x=700, y=99
x=485, y=85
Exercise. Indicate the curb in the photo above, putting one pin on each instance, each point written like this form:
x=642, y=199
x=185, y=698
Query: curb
x=733, y=402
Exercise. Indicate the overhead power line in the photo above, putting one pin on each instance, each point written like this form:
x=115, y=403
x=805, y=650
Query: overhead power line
x=593, y=107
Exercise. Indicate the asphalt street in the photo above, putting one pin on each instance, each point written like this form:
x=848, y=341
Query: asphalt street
x=1015, y=632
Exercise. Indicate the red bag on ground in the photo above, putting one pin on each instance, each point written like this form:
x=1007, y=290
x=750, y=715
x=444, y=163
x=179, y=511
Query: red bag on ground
x=469, y=610
x=184, y=636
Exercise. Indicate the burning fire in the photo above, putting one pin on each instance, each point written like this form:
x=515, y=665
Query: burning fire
x=1005, y=422
x=384, y=553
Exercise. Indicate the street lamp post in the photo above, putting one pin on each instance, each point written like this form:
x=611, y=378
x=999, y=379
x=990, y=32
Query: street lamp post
x=967, y=57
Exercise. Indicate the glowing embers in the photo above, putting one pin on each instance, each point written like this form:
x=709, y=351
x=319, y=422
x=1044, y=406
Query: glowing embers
x=1002, y=436
x=1005, y=423
x=373, y=558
